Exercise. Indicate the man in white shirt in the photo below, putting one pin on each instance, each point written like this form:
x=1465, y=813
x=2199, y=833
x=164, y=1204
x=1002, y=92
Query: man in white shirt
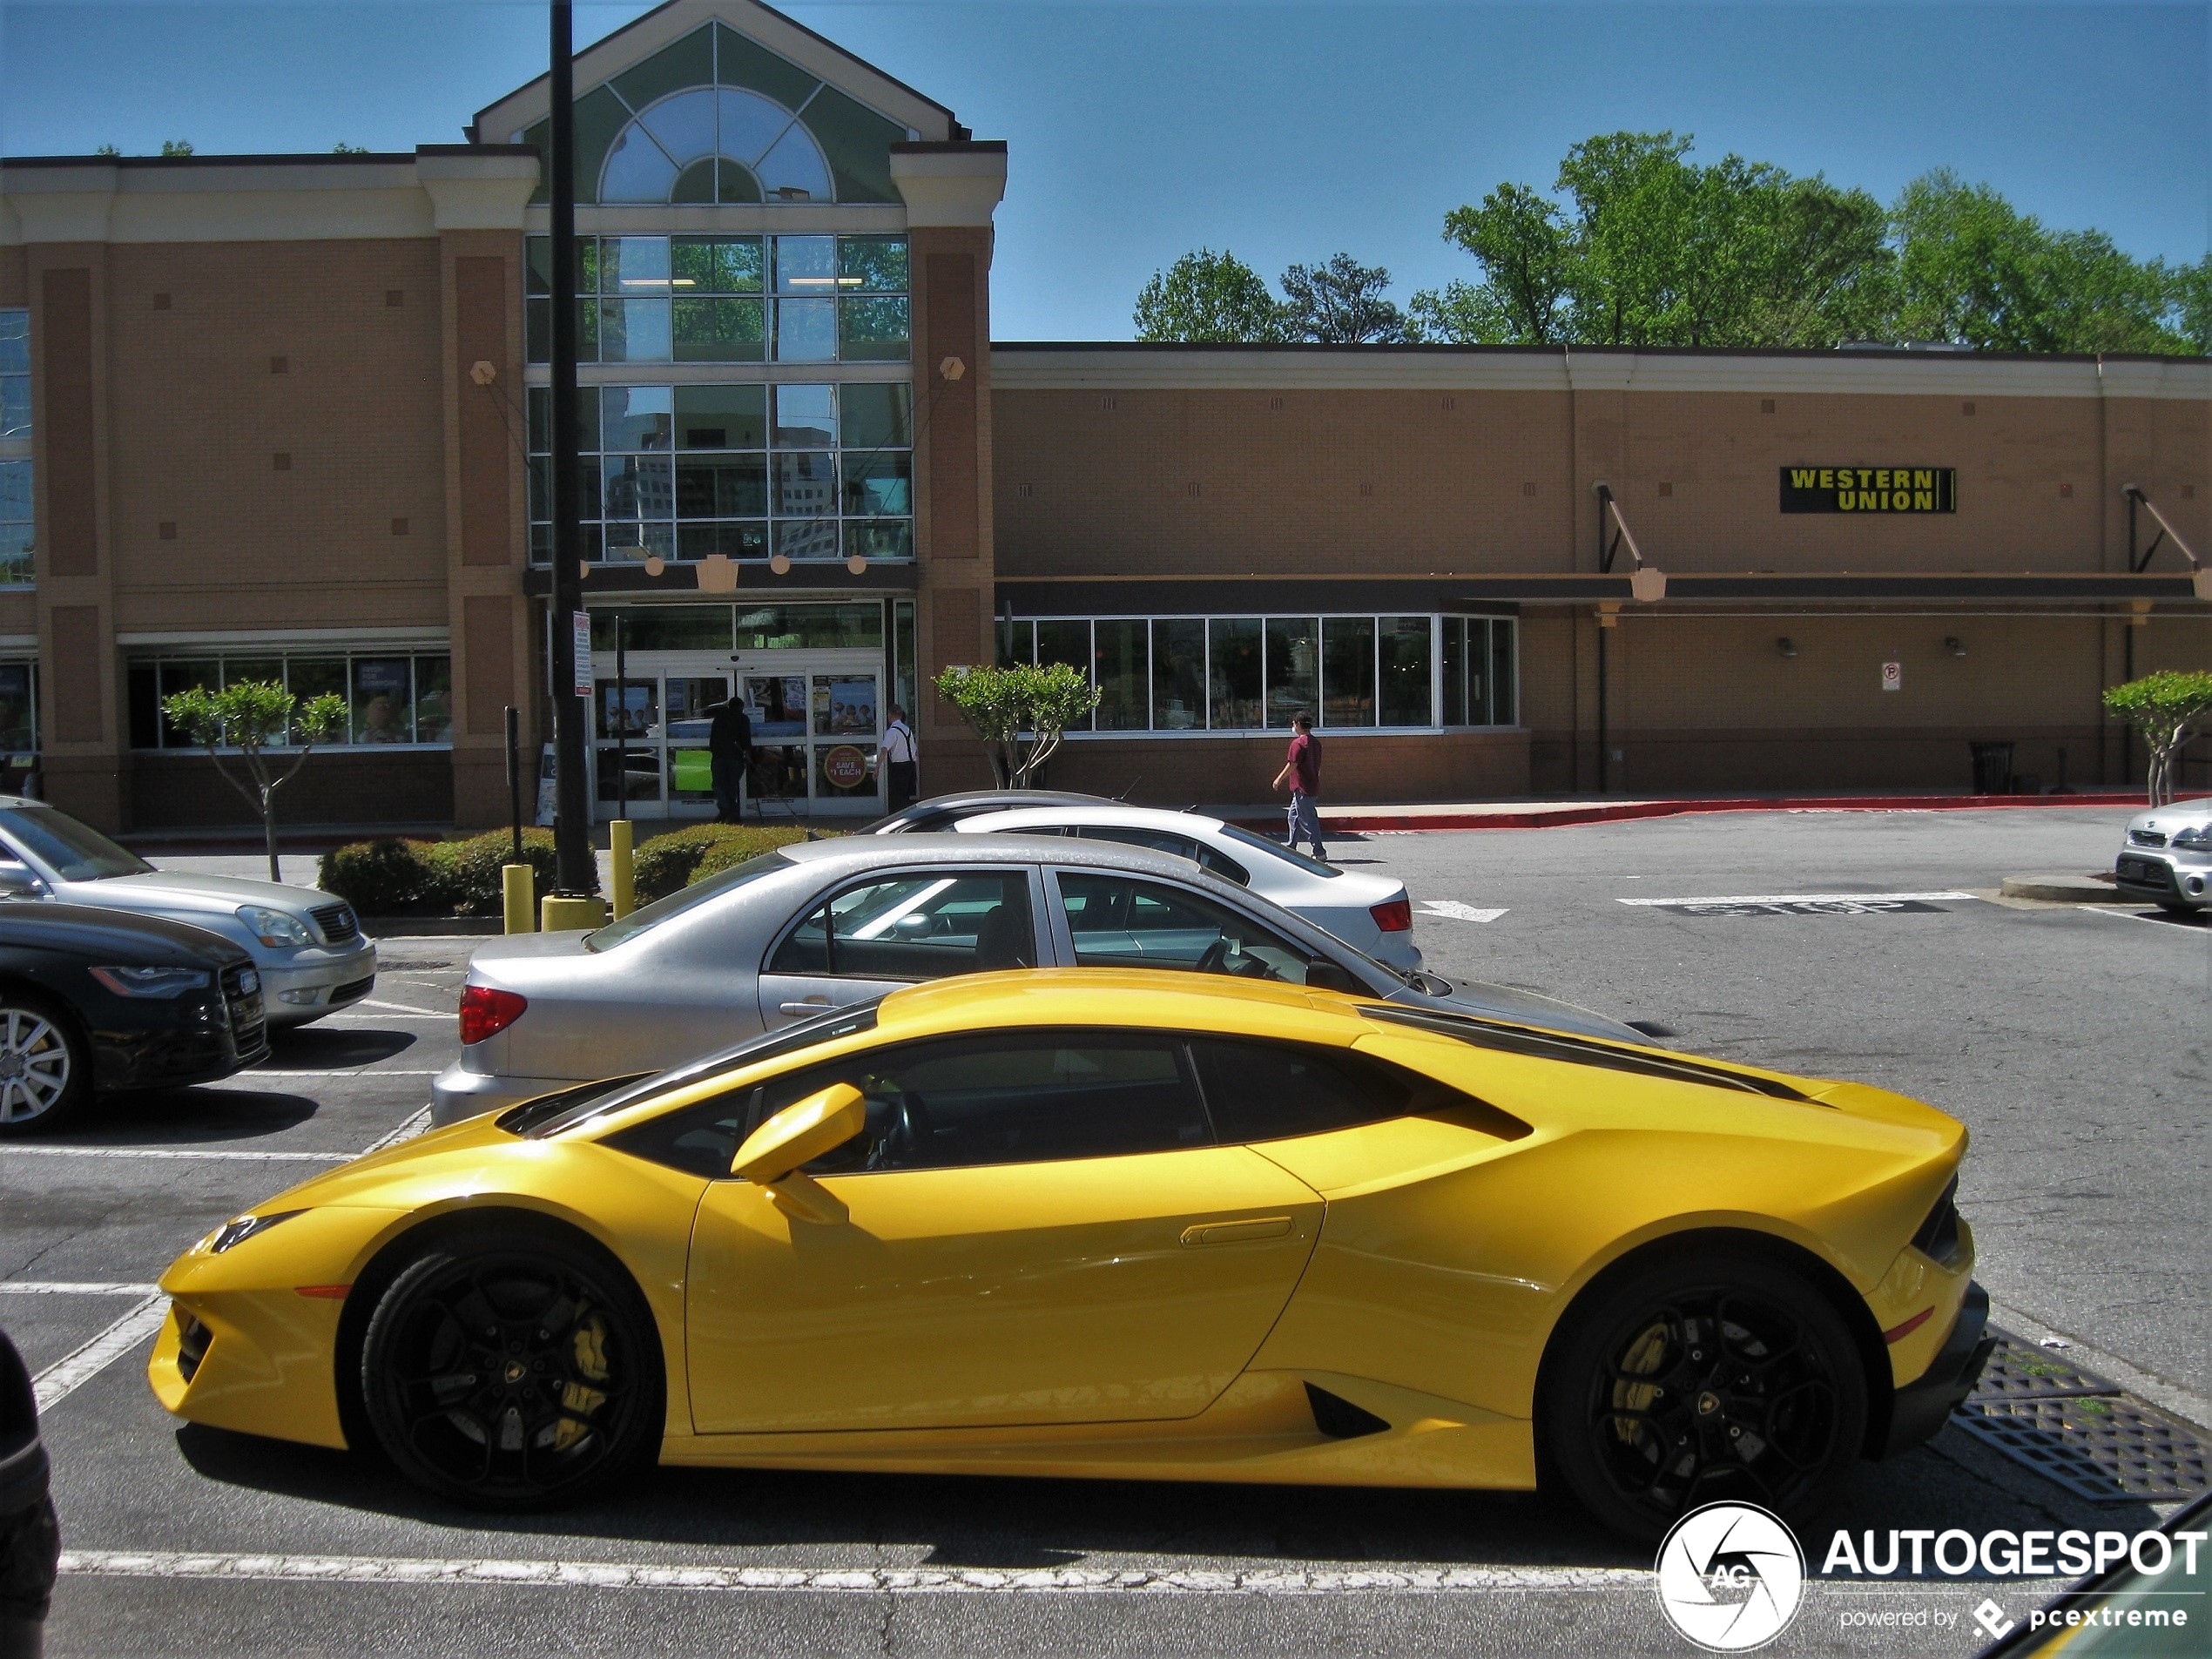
x=896, y=759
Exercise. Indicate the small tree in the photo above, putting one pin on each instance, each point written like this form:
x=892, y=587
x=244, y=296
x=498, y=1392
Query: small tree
x=2168, y=708
x=1019, y=712
x=248, y=716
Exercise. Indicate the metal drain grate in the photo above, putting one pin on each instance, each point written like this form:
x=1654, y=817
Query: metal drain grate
x=2081, y=1431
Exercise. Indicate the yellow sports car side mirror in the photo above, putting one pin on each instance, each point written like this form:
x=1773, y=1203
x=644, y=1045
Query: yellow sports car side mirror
x=799, y=1133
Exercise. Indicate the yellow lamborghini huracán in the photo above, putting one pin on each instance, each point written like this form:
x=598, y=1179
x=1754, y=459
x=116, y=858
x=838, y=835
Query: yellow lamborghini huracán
x=1079, y=1222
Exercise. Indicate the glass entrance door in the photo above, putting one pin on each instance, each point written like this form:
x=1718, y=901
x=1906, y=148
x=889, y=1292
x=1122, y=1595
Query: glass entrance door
x=663, y=720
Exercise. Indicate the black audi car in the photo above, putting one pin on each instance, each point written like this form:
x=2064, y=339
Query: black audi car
x=94, y=1001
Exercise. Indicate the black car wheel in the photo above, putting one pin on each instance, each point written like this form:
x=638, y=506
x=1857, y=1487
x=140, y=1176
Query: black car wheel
x=511, y=1375
x=1700, y=1378
x=46, y=1070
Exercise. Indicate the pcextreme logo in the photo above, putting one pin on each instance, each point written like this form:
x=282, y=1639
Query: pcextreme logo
x=1730, y=1577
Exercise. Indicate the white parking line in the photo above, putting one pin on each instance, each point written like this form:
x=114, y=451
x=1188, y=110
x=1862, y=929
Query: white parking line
x=1811, y=898
x=224, y=1154
x=910, y=1580
x=333, y=1071
x=1453, y=910
x=65, y=1376
x=71, y=1287
x=402, y=1007
x=405, y=1131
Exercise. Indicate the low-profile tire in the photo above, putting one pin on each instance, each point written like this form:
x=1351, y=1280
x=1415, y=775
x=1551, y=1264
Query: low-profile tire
x=1702, y=1377
x=45, y=1064
x=515, y=1372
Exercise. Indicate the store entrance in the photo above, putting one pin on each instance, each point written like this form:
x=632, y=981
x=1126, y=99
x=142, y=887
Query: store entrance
x=817, y=719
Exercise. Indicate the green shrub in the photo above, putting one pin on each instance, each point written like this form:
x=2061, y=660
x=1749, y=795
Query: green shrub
x=457, y=878
x=668, y=863
x=735, y=850
x=468, y=879
x=382, y=878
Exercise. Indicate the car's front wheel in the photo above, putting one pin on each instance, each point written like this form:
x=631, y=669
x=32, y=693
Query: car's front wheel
x=45, y=1067
x=1699, y=1378
x=512, y=1373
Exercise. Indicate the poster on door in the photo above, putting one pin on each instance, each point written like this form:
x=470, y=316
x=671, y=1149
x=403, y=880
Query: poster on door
x=778, y=706
x=844, y=705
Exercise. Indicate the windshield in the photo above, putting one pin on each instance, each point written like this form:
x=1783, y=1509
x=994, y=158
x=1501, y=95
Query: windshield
x=1260, y=843
x=685, y=898
x=72, y=851
x=550, y=1114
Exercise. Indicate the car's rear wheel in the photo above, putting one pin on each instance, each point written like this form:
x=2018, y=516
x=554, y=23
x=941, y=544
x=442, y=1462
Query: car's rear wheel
x=513, y=1375
x=45, y=1067
x=1698, y=1379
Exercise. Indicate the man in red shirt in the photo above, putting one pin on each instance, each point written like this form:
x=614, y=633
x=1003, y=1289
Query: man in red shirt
x=1302, y=769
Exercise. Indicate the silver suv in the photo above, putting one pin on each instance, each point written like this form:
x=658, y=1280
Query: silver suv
x=2167, y=857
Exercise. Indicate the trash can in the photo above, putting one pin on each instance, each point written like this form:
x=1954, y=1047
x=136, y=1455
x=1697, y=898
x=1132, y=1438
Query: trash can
x=1992, y=768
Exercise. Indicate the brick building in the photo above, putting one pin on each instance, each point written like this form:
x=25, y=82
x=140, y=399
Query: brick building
x=275, y=415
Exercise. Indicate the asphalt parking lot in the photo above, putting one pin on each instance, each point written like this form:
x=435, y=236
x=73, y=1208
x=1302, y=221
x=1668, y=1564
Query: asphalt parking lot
x=2076, y=1044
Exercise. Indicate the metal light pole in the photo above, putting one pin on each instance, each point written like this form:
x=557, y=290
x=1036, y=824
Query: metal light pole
x=574, y=864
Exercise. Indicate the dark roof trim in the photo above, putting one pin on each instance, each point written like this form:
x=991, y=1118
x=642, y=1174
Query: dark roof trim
x=678, y=583
x=947, y=146
x=1178, y=595
x=285, y=159
x=1310, y=348
x=1169, y=595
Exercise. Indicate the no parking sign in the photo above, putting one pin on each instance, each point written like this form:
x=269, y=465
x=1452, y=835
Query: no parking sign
x=1892, y=677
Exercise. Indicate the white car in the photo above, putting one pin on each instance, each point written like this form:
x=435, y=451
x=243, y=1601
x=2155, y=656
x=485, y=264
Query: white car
x=1372, y=913
x=2166, y=858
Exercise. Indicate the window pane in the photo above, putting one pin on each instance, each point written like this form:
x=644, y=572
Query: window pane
x=873, y=264
x=1478, y=672
x=633, y=267
x=1348, y=670
x=874, y=329
x=722, y=487
x=807, y=538
x=806, y=331
x=1406, y=658
x=879, y=539
x=1502, y=672
x=848, y=627
x=664, y=628
x=741, y=266
x=433, y=699
x=806, y=265
x=1233, y=679
x=183, y=676
x=1293, y=665
x=1065, y=641
x=806, y=417
x=915, y=928
x=17, y=732
x=634, y=417
x=587, y=266
x=879, y=483
x=15, y=406
x=18, y=563
x=1178, y=674
x=634, y=331
x=538, y=265
x=262, y=671
x=639, y=488
x=806, y=485
x=740, y=541
x=15, y=489
x=142, y=693
x=537, y=330
x=717, y=331
x=382, y=700
x=1018, y=644
x=1119, y=921
x=15, y=341
x=1268, y=1091
x=309, y=678
x=879, y=415
x=1122, y=674
x=721, y=417
x=903, y=650
x=845, y=706
x=1455, y=670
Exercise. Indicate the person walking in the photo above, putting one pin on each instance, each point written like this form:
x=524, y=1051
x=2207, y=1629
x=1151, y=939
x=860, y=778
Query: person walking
x=729, y=752
x=1302, y=770
x=897, y=760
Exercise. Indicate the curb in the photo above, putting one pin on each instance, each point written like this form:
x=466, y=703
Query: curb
x=1554, y=816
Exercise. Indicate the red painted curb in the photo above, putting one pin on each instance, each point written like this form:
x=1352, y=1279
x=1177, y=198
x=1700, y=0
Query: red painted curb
x=1549, y=818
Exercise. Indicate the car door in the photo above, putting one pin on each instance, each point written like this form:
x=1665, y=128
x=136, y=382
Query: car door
x=894, y=927
x=1041, y=1229
x=1117, y=920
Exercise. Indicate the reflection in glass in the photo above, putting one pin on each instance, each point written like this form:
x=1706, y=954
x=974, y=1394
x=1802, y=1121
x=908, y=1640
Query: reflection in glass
x=634, y=331
x=634, y=417
x=806, y=485
x=734, y=486
x=1502, y=674
x=1233, y=672
x=873, y=264
x=718, y=331
x=1294, y=658
x=664, y=628
x=1404, y=656
x=383, y=701
x=806, y=416
x=433, y=699
x=721, y=417
x=17, y=729
x=879, y=484
x=806, y=331
x=1179, y=674
x=879, y=539
x=633, y=267
x=873, y=328
x=794, y=168
x=806, y=265
x=1454, y=671
x=1122, y=674
x=1348, y=670
x=879, y=415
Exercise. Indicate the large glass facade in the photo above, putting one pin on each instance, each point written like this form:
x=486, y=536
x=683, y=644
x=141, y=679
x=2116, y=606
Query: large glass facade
x=17, y=560
x=812, y=471
x=1254, y=673
x=392, y=696
x=815, y=298
x=15, y=374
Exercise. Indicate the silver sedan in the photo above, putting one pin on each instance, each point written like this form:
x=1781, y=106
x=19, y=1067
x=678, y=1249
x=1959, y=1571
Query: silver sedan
x=796, y=933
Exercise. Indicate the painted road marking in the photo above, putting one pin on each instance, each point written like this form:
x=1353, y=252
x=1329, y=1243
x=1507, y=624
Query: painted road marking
x=912, y=1581
x=328, y=1071
x=221, y=1156
x=71, y=1287
x=1452, y=909
x=65, y=1376
x=402, y=1007
x=405, y=1131
x=1803, y=904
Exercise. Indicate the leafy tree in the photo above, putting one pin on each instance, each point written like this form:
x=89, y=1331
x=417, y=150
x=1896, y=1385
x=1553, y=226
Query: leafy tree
x=1340, y=304
x=176, y=146
x=1209, y=296
x=1019, y=712
x=1528, y=253
x=248, y=716
x=341, y=148
x=107, y=150
x=2168, y=708
x=2192, y=304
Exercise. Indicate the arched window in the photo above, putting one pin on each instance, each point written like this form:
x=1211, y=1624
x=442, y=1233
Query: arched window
x=715, y=145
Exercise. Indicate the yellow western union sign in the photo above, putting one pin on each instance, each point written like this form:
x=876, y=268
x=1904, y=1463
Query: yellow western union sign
x=1869, y=489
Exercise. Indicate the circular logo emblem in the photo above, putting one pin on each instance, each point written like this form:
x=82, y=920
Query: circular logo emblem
x=1730, y=1577
x=845, y=766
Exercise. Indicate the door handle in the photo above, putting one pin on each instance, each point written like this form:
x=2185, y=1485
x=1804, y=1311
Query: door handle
x=811, y=1007
x=1237, y=1232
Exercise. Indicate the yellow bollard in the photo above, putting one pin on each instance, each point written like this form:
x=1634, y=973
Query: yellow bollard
x=558, y=915
x=518, y=887
x=625, y=882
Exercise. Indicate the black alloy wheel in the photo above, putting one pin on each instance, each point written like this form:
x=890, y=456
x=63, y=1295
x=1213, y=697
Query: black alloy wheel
x=515, y=1375
x=45, y=1067
x=1706, y=1379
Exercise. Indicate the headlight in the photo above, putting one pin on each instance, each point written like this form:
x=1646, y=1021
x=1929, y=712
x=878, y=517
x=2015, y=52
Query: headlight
x=237, y=1232
x=151, y=981
x=273, y=927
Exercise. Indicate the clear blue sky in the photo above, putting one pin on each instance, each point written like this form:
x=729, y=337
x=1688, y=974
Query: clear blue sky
x=1285, y=131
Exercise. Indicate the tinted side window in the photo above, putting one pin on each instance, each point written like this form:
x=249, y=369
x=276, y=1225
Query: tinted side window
x=1182, y=846
x=1117, y=922
x=916, y=926
x=1269, y=1091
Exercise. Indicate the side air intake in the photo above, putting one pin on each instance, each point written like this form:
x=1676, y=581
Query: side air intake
x=1339, y=1419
